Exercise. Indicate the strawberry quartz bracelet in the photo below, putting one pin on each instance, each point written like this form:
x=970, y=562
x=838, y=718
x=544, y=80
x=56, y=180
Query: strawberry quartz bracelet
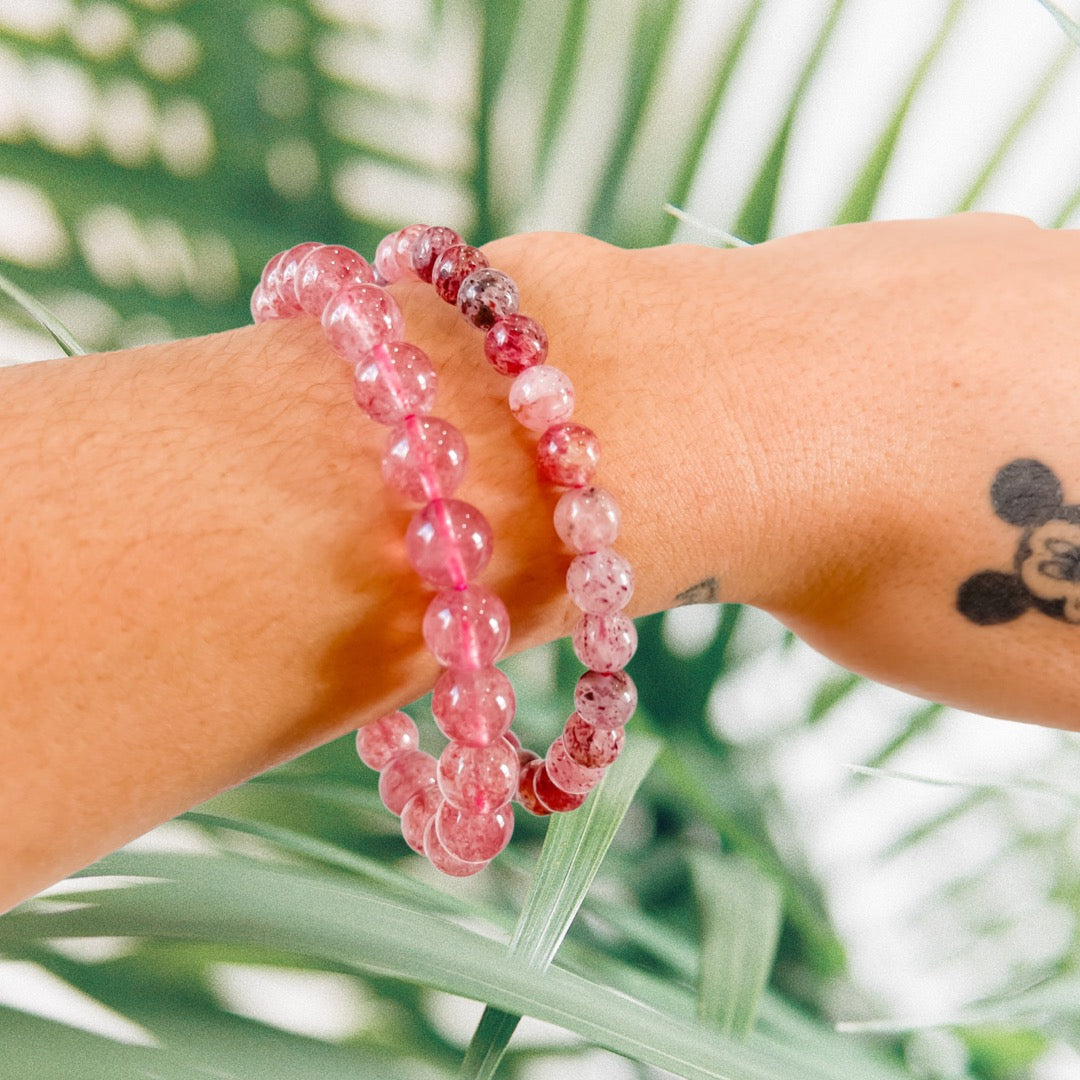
x=457, y=810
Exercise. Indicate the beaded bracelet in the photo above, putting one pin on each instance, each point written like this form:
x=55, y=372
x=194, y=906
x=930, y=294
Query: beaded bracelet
x=457, y=811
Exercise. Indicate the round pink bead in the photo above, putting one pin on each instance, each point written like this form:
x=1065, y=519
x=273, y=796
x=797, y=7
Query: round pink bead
x=514, y=344
x=552, y=797
x=567, y=774
x=393, y=381
x=474, y=707
x=452, y=267
x=474, y=837
x=416, y=814
x=588, y=745
x=425, y=458
x=448, y=542
x=442, y=860
x=600, y=582
x=284, y=276
x=478, y=779
x=587, y=518
x=567, y=455
x=404, y=242
x=390, y=735
x=405, y=775
x=466, y=628
x=324, y=271
x=541, y=396
x=386, y=261
x=486, y=296
x=430, y=244
x=605, y=642
x=526, y=790
x=360, y=317
x=605, y=699
x=262, y=306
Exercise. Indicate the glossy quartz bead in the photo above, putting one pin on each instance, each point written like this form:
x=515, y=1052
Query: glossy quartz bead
x=379, y=741
x=588, y=745
x=526, y=791
x=324, y=271
x=486, y=296
x=600, y=582
x=448, y=542
x=587, y=518
x=262, y=306
x=425, y=458
x=466, y=628
x=605, y=699
x=405, y=775
x=605, y=642
x=452, y=267
x=567, y=455
x=474, y=837
x=541, y=396
x=386, y=260
x=514, y=344
x=551, y=796
x=568, y=774
x=404, y=242
x=360, y=317
x=393, y=381
x=442, y=860
x=430, y=244
x=478, y=779
x=473, y=707
x=285, y=276
x=416, y=814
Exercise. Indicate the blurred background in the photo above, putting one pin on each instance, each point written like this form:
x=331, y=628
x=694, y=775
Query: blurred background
x=153, y=154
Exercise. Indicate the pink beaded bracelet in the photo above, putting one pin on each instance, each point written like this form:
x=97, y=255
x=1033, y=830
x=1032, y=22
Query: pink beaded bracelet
x=457, y=810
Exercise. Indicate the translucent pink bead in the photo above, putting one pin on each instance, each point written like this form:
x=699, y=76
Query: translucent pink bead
x=478, y=779
x=284, y=277
x=486, y=296
x=360, y=317
x=430, y=244
x=605, y=642
x=568, y=774
x=587, y=518
x=527, y=757
x=514, y=344
x=474, y=707
x=474, y=837
x=552, y=797
x=425, y=458
x=392, y=734
x=452, y=267
x=393, y=381
x=567, y=455
x=262, y=306
x=541, y=396
x=405, y=775
x=416, y=814
x=448, y=542
x=588, y=745
x=466, y=628
x=442, y=860
x=386, y=260
x=600, y=582
x=324, y=271
x=605, y=699
x=404, y=242
x=526, y=790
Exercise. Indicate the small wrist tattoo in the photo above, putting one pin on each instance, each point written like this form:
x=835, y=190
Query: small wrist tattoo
x=704, y=592
x=1046, y=565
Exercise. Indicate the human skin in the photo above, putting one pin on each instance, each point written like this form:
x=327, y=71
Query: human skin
x=204, y=575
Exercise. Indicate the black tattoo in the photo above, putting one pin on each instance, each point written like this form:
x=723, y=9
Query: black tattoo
x=704, y=592
x=1046, y=566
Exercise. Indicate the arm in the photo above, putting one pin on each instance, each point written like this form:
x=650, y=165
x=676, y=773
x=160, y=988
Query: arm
x=204, y=576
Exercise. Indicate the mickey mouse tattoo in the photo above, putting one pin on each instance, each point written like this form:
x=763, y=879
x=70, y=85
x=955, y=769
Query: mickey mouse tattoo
x=1046, y=574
